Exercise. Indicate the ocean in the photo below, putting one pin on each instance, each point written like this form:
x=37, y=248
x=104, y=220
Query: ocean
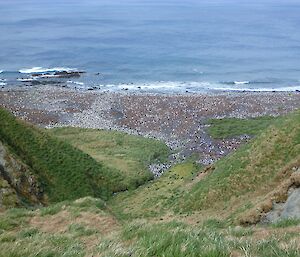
x=152, y=45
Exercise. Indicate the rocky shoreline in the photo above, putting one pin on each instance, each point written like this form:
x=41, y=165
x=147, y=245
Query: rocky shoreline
x=177, y=119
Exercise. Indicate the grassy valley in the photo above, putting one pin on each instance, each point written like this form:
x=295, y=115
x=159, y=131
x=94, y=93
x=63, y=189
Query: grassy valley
x=65, y=172
x=128, y=154
x=190, y=210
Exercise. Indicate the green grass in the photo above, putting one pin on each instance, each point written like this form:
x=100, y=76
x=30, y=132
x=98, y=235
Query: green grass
x=20, y=237
x=52, y=209
x=129, y=154
x=178, y=239
x=28, y=232
x=63, y=171
x=284, y=223
x=183, y=213
x=155, y=198
x=231, y=127
x=214, y=224
x=79, y=230
x=250, y=169
x=13, y=218
x=42, y=245
x=241, y=232
x=228, y=192
x=175, y=239
x=141, y=237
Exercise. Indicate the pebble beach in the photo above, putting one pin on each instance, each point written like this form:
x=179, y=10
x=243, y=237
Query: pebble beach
x=180, y=120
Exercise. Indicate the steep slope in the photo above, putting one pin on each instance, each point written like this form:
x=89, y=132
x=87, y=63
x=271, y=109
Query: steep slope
x=232, y=188
x=18, y=185
x=63, y=171
x=189, y=211
x=130, y=154
x=246, y=176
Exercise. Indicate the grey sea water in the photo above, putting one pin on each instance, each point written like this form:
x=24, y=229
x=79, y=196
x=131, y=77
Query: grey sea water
x=150, y=44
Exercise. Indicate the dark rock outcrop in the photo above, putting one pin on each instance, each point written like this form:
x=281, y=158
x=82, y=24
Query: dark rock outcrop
x=59, y=74
x=18, y=186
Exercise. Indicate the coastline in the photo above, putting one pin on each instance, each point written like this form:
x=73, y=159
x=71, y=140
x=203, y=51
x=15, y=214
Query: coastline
x=177, y=119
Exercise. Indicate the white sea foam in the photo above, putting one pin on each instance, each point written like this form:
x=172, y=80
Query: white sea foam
x=241, y=82
x=45, y=70
x=2, y=84
x=159, y=86
x=1, y=71
x=48, y=76
x=193, y=87
x=75, y=82
x=26, y=79
x=278, y=89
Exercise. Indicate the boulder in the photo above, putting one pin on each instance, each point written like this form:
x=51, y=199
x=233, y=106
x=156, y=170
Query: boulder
x=291, y=209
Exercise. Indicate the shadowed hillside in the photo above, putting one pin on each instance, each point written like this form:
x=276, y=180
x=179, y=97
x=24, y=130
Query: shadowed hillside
x=62, y=171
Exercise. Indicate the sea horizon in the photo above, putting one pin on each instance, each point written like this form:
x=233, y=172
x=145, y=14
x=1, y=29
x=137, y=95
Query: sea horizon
x=152, y=45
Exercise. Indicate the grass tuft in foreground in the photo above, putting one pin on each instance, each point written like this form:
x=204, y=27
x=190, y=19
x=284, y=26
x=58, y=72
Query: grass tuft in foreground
x=284, y=223
x=80, y=228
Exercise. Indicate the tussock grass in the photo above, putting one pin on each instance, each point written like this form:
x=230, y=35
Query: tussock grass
x=179, y=239
x=156, y=197
x=13, y=218
x=231, y=127
x=228, y=190
x=214, y=224
x=43, y=245
x=88, y=226
x=284, y=223
x=252, y=168
x=24, y=238
x=64, y=172
x=79, y=230
x=128, y=154
x=175, y=239
x=241, y=232
x=139, y=237
x=52, y=209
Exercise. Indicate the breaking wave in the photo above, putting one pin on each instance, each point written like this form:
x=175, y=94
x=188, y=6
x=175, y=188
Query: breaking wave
x=195, y=87
x=75, y=82
x=38, y=70
x=241, y=82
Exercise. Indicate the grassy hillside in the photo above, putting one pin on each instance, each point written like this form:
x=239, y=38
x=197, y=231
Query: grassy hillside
x=229, y=188
x=253, y=168
x=231, y=127
x=189, y=211
x=129, y=154
x=150, y=200
x=86, y=227
x=64, y=171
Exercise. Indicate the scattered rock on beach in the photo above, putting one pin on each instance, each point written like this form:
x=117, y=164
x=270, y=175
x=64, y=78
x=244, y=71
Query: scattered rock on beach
x=177, y=119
